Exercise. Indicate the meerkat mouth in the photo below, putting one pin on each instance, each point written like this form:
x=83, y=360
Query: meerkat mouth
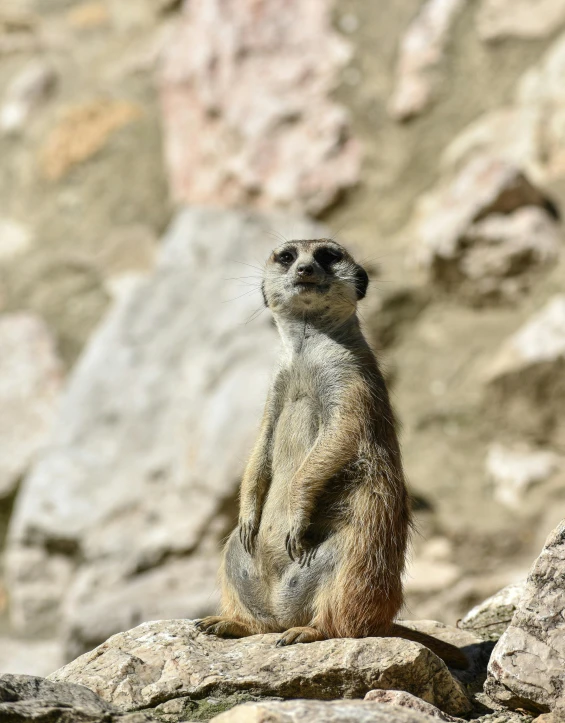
x=310, y=286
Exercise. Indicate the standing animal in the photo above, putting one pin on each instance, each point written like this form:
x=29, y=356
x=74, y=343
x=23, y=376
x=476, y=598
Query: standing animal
x=324, y=518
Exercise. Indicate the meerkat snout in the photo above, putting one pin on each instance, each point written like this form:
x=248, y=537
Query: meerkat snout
x=313, y=277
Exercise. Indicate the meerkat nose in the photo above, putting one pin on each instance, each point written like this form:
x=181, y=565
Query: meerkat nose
x=304, y=269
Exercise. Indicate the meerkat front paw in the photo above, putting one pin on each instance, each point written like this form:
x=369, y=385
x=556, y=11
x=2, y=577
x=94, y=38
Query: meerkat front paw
x=298, y=548
x=248, y=529
x=223, y=627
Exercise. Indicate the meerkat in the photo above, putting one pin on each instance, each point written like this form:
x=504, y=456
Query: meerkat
x=325, y=517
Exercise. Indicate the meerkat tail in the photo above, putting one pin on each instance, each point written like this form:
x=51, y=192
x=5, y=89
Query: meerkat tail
x=450, y=654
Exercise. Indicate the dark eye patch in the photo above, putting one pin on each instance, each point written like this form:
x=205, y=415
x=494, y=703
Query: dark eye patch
x=327, y=256
x=285, y=257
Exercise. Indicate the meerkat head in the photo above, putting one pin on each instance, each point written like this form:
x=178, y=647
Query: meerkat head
x=317, y=278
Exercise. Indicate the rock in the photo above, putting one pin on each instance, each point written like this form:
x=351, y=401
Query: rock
x=526, y=380
x=342, y=711
x=25, y=94
x=475, y=649
x=132, y=497
x=498, y=256
x=421, y=53
x=29, y=657
x=526, y=667
x=492, y=617
x=259, y=99
x=166, y=660
x=484, y=232
x=30, y=383
x=513, y=470
x=28, y=698
x=406, y=700
x=499, y=19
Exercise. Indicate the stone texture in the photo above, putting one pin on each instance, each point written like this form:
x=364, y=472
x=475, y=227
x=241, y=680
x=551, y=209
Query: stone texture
x=499, y=19
x=254, y=86
x=26, y=698
x=143, y=499
x=492, y=617
x=406, y=700
x=302, y=711
x=485, y=231
x=526, y=379
x=514, y=470
x=164, y=660
x=421, y=53
x=30, y=383
x=526, y=667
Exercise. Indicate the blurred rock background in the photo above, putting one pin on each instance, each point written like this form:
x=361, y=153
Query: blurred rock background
x=151, y=154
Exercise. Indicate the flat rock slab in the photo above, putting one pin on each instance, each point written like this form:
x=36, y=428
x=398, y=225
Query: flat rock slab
x=527, y=667
x=29, y=698
x=309, y=711
x=164, y=660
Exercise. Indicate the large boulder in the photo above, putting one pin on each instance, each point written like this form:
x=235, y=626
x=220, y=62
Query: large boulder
x=255, y=87
x=161, y=661
x=491, y=618
x=527, y=664
x=122, y=518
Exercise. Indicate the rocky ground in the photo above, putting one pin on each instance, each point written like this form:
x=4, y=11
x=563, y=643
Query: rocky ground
x=169, y=671
x=152, y=154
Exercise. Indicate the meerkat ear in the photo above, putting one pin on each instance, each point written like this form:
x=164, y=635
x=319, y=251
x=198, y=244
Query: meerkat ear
x=361, y=282
x=264, y=294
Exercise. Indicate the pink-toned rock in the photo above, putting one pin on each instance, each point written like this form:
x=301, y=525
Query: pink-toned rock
x=407, y=700
x=486, y=232
x=247, y=109
x=422, y=50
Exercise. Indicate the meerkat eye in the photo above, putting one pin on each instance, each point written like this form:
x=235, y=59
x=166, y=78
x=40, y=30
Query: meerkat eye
x=327, y=256
x=285, y=257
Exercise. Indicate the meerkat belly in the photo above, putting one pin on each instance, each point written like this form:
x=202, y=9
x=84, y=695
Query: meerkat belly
x=272, y=587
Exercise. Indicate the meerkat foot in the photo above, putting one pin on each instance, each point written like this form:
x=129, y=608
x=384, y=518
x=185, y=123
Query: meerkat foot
x=300, y=635
x=223, y=627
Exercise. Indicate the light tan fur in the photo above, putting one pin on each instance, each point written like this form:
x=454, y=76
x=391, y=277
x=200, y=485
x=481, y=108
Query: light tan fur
x=324, y=520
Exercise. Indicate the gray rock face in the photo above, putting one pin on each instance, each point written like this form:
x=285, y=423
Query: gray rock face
x=492, y=617
x=167, y=660
x=31, y=377
x=27, y=698
x=527, y=664
x=301, y=711
x=122, y=519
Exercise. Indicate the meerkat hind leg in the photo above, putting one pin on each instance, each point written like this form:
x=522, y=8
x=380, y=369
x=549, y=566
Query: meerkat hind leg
x=304, y=634
x=223, y=627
